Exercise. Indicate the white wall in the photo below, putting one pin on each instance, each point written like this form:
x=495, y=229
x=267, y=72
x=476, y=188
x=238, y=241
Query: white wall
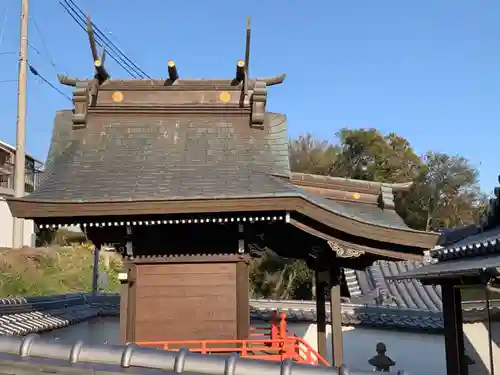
x=415, y=353
x=477, y=336
x=6, y=227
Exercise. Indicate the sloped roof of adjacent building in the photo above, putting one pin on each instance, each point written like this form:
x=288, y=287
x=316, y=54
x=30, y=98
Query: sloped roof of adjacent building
x=472, y=251
x=378, y=303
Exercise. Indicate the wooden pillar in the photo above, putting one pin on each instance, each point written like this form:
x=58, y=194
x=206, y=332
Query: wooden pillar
x=320, y=311
x=123, y=278
x=453, y=331
x=336, y=315
x=95, y=269
x=131, y=302
x=242, y=306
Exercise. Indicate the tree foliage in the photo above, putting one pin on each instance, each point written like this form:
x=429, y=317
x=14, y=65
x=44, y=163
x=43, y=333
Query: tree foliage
x=445, y=192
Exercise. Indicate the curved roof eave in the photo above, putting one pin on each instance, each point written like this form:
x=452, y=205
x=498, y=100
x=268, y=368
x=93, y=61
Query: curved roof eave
x=327, y=213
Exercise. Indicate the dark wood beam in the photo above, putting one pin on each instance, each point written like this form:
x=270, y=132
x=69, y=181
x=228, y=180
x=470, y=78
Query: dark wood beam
x=240, y=71
x=320, y=312
x=336, y=315
x=453, y=330
x=173, y=74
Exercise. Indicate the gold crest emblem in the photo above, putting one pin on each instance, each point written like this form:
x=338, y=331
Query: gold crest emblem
x=225, y=97
x=117, y=97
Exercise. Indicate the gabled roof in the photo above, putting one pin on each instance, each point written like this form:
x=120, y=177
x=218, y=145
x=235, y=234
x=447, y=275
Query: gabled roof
x=176, y=146
x=184, y=163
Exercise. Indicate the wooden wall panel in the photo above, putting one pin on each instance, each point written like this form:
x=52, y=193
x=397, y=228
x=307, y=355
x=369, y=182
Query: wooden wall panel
x=187, y=301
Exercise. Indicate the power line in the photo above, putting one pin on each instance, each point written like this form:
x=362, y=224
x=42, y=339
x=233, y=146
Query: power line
x=108, y=42
x=2, y=29
x=44, y=45
x=44, y=80
x=82, y=26
x=102, y=40
x=34, y=48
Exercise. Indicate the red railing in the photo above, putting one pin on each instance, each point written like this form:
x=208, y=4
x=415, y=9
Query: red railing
x=273, y=344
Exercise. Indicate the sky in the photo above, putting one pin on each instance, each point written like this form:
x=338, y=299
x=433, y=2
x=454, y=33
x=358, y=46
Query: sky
x=428, y=70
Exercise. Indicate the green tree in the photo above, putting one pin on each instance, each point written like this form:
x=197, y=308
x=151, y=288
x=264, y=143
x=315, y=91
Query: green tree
x=446, y=194
x=367, y=154
x=309, y=155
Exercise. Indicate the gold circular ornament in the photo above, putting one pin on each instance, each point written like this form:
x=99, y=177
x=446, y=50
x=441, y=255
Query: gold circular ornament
x=225, y=97
x=117, y=97
x=356, y=195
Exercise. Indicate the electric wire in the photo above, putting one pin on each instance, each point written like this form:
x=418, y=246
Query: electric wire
x=47, y=82
x=97, y=39
x=4, y=24
x=108, y=42
x=2, y=31
x=34, y=48
x=44, y=45
x=102, y=40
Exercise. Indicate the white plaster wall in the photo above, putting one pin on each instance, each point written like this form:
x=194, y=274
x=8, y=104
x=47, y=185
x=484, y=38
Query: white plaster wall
x=415, y=353
x=477, y=337
x=7, y=224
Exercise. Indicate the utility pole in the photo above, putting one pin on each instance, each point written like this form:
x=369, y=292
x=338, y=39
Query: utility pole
x=19, y=169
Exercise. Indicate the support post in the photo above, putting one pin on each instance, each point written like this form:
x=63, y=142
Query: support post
x=336, y=315
x=123, y=278
x=453, y=331
x=320, y=312
x=95, y=270
x=20, y=161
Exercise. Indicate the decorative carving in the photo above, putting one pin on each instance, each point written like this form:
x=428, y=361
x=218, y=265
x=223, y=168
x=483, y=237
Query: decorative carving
x=86, y=90
x=259, y=100
x=386, y=198
x=80, y=104
x=343, y=252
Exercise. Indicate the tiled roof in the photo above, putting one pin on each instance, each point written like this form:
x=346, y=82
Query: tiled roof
x=408, y=294
x=478, y=243
x=362, y=315
x=378, y=303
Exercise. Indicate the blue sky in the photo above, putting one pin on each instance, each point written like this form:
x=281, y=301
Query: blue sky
x=428, y=70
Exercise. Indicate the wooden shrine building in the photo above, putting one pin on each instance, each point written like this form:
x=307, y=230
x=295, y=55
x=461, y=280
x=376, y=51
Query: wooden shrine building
x=190, y=177
x=467, y=266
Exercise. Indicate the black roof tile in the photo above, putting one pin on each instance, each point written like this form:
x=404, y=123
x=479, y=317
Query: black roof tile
x=478, y=243
x=405, y=305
